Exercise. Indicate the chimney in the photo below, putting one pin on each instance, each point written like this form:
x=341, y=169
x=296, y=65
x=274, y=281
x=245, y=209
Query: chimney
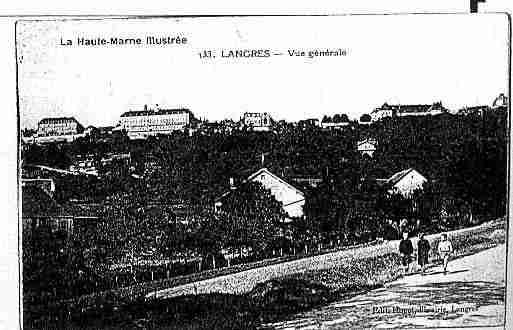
x=145, y=107
x=232, y=183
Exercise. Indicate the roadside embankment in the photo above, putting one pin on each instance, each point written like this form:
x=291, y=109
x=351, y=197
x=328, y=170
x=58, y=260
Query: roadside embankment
x=265, y=294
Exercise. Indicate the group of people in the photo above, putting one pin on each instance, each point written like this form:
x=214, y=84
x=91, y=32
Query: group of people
x=423, y=247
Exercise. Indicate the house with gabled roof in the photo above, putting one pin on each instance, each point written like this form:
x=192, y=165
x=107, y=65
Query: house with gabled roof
x=367, y=147
x=291, y=197
x=404, y=182
x=40, y=209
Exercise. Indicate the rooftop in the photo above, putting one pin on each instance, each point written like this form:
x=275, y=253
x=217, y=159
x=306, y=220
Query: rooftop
x=294, y=185
x=157, y=112
x=411, y=108
x=57, y=119
x=500, y=101
x=398, y=176
x=367, y=140
x=255, y=113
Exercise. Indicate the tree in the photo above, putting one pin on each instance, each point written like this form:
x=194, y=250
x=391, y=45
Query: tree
x=209, y=236
x=28, y=132
x=365, y=118
x=250, y=217
x=52, y=154
x=326, y=209
x=131, y=224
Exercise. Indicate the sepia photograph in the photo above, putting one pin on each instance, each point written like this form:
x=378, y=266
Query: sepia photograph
x=263, y=172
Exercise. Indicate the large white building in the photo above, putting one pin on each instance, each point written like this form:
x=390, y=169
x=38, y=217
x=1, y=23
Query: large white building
x=289, y=196
x=400, y=110
x=58, y=129
x=59, y=126
x=257, y=121
x=144, y=123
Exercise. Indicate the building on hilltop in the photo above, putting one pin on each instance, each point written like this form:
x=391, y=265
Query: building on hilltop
x=290, y=197
x=58, y=129
x=385, y=111
x=478, y=110
x=501, y=102
x=400, y=110
x=141, y=124
x=256, y=121
x=59, y=126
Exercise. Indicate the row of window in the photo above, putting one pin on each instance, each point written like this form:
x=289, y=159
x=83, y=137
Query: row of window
x=159, y=119
x=155, y=127
x=58, y=125
x=56, y=132
x=138, y=123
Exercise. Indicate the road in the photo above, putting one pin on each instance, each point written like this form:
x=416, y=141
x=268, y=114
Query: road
x=471, y=294
x=243, y=282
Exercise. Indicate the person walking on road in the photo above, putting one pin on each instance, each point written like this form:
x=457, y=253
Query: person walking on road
x=445, y=250
x=423, y=248
x=406, y=250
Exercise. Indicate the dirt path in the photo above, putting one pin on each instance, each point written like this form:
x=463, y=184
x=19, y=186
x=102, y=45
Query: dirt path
x=472, y=294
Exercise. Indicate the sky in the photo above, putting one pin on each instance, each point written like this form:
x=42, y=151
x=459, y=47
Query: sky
x=399, y=59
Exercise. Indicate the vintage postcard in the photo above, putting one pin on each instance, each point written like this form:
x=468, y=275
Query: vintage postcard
x=264, y=172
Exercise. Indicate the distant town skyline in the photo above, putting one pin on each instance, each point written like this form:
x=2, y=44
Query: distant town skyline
x=460, y=60
x=158, y=107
